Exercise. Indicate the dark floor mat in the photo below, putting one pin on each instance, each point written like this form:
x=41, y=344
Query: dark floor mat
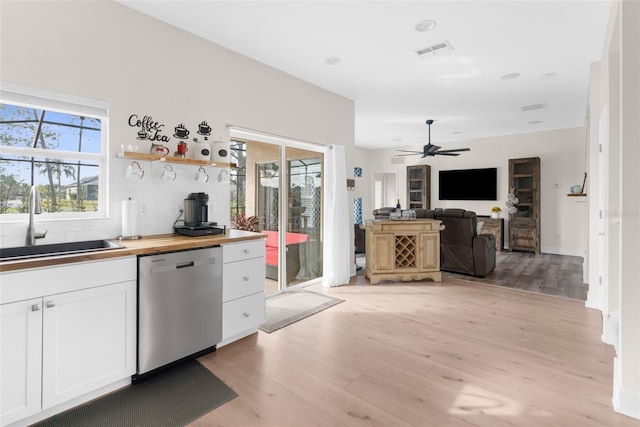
x=175, y=397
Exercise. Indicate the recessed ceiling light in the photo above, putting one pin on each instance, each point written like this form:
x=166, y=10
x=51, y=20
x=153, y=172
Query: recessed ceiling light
x=332, y=60
x=547, y=76
x=510, y=76
x=426, y=25
x=535, y=122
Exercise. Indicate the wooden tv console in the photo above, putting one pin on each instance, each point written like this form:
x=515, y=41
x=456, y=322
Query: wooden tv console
x=403, y=250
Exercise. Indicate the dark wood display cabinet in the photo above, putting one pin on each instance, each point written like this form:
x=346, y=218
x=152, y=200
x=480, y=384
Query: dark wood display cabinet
x=419, y=187
x=524, y=224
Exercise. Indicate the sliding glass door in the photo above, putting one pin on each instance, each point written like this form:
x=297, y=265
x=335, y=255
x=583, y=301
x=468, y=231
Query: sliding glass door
x=304, y=216
x=287, y=202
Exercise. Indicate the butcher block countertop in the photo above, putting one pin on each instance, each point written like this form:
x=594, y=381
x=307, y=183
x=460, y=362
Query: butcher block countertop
x=144, y=246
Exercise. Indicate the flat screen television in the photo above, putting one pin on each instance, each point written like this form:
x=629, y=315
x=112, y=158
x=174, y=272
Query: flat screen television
x=468, y=184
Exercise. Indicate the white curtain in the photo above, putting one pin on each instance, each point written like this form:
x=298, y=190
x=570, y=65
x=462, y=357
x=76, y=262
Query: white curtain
x=336, y=247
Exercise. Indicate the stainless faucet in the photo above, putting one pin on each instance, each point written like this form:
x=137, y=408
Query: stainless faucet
x=34, y=208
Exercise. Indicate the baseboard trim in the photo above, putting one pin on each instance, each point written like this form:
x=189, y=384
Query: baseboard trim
x=562, y=251
x=610, y=328
x=625, y=402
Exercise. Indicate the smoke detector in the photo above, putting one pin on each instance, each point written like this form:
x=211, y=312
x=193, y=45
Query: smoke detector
x=435, y=48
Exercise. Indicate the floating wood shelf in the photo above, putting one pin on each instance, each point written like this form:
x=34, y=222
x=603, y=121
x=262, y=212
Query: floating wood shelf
x=171, y=159
x=577, y=195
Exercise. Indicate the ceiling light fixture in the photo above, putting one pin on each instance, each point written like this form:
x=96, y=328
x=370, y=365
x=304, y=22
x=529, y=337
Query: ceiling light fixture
x=332, y=60
x=426, y=25
x=510, y=76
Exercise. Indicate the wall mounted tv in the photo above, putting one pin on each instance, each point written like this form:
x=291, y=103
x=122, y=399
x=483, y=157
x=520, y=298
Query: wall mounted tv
x=468, y=184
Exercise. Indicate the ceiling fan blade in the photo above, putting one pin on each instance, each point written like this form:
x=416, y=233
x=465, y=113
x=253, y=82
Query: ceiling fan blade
x=444, y=153
x=412, y=154
x=410, y=151
x=454, y=150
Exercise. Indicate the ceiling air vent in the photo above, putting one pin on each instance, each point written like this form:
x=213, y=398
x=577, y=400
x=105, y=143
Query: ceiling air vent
x=435, y=48
x=534, y=107
x=397, y=160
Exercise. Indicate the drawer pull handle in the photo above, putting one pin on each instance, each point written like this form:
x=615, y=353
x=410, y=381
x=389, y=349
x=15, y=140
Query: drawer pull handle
x=245, y=314
x=245, y=251
x=35, y=307
x=245, y=278
x=50, y=304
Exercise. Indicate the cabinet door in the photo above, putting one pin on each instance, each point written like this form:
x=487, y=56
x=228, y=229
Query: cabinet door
x=419, y=187
x=21, y=357
x=384, y=252
x=89, y=340
x=429, y=252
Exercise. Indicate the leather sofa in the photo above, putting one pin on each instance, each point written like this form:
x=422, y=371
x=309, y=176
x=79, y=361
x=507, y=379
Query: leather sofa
x=462, y=250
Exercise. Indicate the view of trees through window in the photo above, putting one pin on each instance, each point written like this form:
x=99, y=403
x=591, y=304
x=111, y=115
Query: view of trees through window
x=238, y=154
x=57, y=152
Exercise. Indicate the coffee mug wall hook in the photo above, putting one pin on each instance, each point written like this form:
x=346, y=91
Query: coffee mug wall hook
x=202, y=175
x=224, y=176
x=134, y=170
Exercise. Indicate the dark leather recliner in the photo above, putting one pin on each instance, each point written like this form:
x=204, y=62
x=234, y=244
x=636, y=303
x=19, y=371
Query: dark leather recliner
x=461, y=249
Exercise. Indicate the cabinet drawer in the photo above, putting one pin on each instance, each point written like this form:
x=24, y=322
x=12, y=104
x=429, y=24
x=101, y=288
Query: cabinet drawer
x=242, y=314
x=56, y=279
x=243, y=278
x=244, y=250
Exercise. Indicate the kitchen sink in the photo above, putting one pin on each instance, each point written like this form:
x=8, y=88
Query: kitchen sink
x=23, y=252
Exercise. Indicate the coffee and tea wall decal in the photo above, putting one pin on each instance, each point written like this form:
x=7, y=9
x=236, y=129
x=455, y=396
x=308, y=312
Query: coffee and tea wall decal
x=148, y=129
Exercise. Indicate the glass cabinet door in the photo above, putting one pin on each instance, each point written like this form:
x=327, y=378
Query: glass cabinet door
x=419, y=187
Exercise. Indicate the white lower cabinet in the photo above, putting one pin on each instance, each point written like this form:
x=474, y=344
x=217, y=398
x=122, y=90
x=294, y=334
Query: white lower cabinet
x=243, y=308
x=21, y=359
x=59, y=347
x=84, y=342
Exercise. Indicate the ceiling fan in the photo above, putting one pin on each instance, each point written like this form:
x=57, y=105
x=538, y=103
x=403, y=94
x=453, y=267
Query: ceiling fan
x=432, y=150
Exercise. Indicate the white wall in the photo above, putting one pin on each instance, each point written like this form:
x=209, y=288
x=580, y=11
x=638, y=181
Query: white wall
x=562, y=163
x=103, y=50
x=615, y=83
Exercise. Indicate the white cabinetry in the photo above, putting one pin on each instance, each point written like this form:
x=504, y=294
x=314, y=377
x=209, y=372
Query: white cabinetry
x=66, y=331
x=21, y=357
x=243, y=308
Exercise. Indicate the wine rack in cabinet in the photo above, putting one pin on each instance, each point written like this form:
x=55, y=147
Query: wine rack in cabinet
x=403, y=250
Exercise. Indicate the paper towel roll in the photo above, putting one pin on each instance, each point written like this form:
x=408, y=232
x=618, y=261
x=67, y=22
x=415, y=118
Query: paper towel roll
x=129, y=218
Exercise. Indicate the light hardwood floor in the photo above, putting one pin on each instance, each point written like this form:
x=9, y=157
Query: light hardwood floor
x=424, y=354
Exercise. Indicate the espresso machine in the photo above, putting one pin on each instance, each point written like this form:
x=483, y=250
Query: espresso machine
x=196, y=217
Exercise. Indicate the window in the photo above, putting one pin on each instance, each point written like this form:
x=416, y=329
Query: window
x=238, y=155
x=56, y=143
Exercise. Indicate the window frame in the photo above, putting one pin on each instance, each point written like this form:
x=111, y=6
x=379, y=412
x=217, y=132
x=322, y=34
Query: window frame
x=69, y=104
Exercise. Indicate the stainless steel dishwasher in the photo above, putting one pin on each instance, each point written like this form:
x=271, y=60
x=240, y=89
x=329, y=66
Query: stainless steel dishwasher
x=179, y=307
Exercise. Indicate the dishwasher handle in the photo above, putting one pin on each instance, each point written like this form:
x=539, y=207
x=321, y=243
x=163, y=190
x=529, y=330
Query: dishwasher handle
x=177, y=266
x=185, y=265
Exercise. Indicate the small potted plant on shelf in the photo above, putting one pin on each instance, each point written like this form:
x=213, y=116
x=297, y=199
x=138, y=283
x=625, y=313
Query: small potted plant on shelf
x=495, y=212
x=243, y=222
